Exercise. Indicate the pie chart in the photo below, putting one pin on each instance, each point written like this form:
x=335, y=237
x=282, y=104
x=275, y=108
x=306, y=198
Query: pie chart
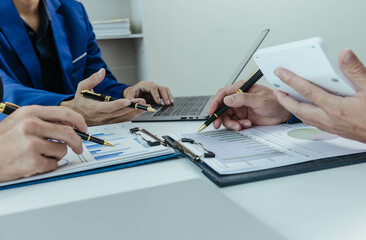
x=312, y=134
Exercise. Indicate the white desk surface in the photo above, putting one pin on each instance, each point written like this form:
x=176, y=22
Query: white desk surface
x=329, y=204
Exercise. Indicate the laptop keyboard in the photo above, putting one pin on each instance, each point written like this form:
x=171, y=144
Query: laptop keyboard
x=184, y=106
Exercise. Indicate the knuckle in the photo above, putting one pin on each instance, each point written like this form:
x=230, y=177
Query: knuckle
x=306, y=91
x=69, y=132
x=357, y=69
x=29, y=125
x=32, y=145
x=63, y=150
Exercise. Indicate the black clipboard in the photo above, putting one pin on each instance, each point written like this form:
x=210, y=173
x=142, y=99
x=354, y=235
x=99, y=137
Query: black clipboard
x=247, y=177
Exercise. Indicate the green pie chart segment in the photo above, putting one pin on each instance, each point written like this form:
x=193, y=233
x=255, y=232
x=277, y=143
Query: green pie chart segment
x=312, y=134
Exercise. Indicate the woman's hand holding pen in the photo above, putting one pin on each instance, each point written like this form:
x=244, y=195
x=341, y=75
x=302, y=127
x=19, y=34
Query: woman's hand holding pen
x=97, y=113
x=258, y=106
x=23, y=140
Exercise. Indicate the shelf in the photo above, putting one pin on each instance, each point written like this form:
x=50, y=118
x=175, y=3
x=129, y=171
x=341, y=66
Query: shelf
x=117, y=36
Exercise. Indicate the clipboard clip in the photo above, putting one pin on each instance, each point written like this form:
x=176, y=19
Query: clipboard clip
x=206, y=154
x=155, y=141
x=178, y=144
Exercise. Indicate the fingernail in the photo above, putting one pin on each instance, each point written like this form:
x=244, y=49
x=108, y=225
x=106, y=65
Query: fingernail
x=168, y=102
x=278, y=73
x=229, y=99
x=235, y=127
x=349, y=57
x=247, y=124
x=172, y=100
x=100, y=73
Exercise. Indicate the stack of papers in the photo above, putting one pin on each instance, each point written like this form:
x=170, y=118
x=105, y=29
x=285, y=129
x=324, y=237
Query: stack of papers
x=111, y=28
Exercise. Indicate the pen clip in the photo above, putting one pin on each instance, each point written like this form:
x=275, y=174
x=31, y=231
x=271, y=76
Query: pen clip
x=12, y=105
x=89, y=92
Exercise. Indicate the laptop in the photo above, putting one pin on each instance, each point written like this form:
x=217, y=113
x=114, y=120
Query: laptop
x=195, y=107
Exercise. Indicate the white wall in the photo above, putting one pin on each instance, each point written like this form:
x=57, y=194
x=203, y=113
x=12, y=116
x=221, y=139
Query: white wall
x=191, y=43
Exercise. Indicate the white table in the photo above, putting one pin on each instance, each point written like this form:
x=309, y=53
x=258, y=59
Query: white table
x=329, y=204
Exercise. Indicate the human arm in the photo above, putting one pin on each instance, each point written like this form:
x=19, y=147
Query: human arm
x=22, y=95
x=258, y=106
x=25, y=148
x=344, y=116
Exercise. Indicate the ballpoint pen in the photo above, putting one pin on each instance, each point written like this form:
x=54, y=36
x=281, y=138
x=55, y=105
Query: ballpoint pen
x=9, y=108
x=101, y=97
x=245, y=87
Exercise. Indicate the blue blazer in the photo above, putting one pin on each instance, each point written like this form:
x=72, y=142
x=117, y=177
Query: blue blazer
x=77, y=50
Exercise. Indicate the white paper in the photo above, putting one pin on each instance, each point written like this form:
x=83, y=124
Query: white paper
x=266, y=147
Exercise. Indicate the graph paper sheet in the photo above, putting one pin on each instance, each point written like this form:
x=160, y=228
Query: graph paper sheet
x=128, y=147
x=267, y=147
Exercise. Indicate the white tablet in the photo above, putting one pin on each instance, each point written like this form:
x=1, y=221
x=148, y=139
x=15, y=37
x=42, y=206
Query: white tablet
x=308, y=59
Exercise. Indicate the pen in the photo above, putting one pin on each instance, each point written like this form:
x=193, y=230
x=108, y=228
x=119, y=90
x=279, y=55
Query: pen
x=9, y=108
x=245, y=87
x=101, y=97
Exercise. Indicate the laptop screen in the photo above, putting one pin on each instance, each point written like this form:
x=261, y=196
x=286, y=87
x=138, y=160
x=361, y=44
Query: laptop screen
x=247, y=57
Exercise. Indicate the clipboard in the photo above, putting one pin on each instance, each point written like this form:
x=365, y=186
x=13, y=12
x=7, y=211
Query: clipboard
x=140, y=137
x=225, y=180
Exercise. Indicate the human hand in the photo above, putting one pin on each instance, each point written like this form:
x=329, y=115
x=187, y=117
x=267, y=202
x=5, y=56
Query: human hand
x=258, y=106
x=344, y=116
x=25, y=148
x=157, y=92
x=97, y=113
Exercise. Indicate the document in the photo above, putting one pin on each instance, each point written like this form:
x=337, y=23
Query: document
x=265, y=147
x=128, y=147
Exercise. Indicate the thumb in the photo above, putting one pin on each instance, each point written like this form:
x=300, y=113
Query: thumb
x=92, y=81
x=353, y=68
x=242, y=100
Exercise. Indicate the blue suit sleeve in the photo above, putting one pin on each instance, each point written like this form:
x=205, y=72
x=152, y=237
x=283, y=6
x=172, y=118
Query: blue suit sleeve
x=21, y=95
x=109, y=86
x=293, y=119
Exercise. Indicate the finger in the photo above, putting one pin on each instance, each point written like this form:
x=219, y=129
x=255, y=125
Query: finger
x=125, y=117
x=313, y=93
x=92, y=81
x=47, y=130
x=164, y=95
x=217, y=123
x=353, y=68
x=139, y=101
x=245, y=123
x=308, y=113
x=122, y=112
x=55, y=150
x=218, y=98
x=55, y=114
x=237, y=100
x=170, y=95
x=36, y=164
x=155, y=94
x=229, y=123
x=109, y=107
x=44, y=164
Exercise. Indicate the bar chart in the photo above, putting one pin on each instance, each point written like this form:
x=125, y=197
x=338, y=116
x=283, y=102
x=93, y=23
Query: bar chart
x=231, y=147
